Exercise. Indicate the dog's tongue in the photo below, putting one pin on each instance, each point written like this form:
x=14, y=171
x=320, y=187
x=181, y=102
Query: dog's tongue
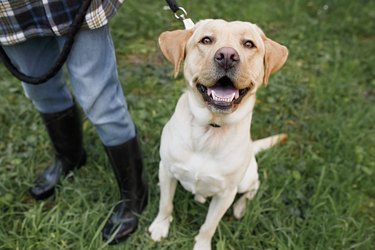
x=223, y=92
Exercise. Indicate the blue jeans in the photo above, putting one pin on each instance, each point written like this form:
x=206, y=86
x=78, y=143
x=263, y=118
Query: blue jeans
x=92, y=70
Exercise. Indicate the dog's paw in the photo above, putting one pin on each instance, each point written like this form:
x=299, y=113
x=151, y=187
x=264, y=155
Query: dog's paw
x=159, y=228
x=202, y=244
x=239, y=208
x=200, y=198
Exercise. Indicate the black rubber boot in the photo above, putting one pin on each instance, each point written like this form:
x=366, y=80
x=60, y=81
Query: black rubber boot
x=127, y=165
x=65, y=132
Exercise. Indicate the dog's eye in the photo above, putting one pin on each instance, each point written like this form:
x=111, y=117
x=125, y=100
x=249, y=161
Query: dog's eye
x=206, y=40
x=249, y=44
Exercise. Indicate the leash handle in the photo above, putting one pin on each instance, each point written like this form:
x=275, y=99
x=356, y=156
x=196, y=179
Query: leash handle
x=188, y=23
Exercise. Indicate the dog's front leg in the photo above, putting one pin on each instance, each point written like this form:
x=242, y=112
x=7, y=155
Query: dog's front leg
x=160, y=226
x=218, y=206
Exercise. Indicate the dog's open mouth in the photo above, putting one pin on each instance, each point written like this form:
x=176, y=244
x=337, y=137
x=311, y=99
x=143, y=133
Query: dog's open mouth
x=223, y=96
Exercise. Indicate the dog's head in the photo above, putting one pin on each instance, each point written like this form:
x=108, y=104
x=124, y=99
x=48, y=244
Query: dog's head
x=225, y=62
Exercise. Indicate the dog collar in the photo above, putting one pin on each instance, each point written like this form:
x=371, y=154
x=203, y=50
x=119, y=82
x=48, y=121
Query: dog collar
x=215, y=125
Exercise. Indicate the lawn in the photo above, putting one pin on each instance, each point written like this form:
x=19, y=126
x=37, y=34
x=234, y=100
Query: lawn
x=317, y=190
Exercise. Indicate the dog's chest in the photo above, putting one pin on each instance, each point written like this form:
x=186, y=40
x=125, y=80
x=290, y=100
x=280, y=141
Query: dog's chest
x=199, y=176
x=209, y=173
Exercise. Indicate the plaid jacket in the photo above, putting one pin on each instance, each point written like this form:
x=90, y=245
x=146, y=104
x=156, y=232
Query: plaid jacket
x=23, y=19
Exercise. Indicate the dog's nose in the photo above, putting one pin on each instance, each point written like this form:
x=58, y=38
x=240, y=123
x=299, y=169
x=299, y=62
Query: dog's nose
x=227, y=58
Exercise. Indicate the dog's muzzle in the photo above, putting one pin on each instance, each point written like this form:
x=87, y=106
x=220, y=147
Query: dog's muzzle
x=223, y=97
x=226, y=58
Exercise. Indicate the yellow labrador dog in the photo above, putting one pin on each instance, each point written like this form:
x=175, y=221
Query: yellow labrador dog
x=206, y=145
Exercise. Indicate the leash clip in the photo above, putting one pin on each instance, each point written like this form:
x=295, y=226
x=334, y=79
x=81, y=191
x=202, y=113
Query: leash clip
x=188, y=23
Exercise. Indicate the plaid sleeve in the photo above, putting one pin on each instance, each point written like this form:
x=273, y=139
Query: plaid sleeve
x=17, y=20
x=20, y=19
x=100, y=12
x=60, y=14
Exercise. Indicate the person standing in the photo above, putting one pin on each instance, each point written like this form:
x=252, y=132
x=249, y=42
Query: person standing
x=32, y=34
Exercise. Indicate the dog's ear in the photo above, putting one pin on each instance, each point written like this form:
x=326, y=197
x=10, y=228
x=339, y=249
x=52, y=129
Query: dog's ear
x=172, y=44
x=274, y=58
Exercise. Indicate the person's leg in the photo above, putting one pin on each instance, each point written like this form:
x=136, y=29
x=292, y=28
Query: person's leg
x=55, y=104
x=93, y=74
x=34, y=57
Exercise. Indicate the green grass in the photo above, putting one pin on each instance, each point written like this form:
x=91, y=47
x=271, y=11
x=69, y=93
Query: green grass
x=317, y=191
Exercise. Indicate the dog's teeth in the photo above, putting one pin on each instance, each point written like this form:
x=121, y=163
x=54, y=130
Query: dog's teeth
x=233, y=96
x=220, y=99
x=215, y=97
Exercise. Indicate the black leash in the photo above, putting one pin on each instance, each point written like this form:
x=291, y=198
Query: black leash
x=188, y=23
x=173, y=5
x=74, y=28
